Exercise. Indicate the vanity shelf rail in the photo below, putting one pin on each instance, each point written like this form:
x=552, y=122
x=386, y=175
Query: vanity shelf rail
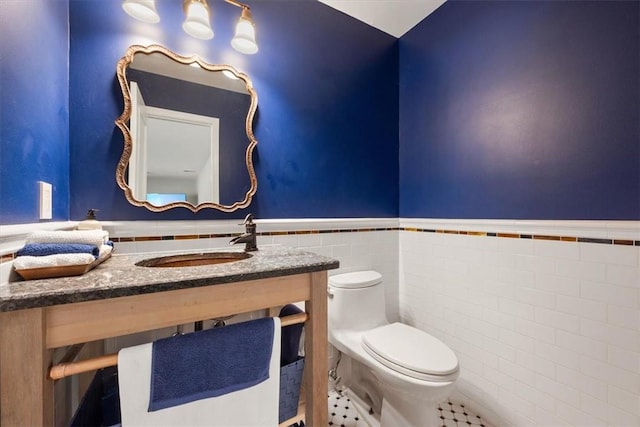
x=62, y=370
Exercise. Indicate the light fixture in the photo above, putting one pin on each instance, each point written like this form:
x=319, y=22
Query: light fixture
x=245, y=39
x=197, y=22
x=142, y=10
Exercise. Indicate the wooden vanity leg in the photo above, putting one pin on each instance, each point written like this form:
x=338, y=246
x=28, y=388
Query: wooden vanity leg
x=316, y=342
x=27, y=392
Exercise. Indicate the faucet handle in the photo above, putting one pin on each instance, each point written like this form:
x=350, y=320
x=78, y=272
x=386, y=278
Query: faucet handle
x=248, y=220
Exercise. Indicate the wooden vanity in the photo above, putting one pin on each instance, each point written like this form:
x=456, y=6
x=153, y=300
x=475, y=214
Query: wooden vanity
x=119, y=298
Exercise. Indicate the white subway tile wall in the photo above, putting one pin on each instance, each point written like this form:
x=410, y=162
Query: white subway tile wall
x=547, y=332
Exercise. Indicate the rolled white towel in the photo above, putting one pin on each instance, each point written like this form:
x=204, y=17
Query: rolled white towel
x=105, y=250
x=87, y=237
x=58, y=260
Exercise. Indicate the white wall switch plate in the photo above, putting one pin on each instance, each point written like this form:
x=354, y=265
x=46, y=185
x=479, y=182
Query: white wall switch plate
x=46, y=200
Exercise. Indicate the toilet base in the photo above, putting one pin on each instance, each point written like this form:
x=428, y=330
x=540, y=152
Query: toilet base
x=397, y=411
x=382, y=401
x=383, y=406
x=363, y=409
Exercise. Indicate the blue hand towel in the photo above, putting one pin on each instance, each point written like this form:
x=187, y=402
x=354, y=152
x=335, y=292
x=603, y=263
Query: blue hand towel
x=290, y=338
x=44, y=249
x=210, y=363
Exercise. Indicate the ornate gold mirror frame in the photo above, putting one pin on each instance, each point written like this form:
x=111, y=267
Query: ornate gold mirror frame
x=123, y=123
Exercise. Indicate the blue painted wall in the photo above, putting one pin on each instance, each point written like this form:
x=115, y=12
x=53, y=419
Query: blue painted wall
x=34, y=114
x=522, y=110
x=507, y=110
x=327, y=121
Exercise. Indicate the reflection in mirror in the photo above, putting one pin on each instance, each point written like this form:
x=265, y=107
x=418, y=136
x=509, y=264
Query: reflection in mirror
x=188, y=134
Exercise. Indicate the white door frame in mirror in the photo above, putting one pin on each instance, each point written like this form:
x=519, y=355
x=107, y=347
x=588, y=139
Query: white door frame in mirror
x=196, y=137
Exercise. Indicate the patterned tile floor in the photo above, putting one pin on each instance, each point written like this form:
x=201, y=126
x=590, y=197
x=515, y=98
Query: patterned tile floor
x=342, y=414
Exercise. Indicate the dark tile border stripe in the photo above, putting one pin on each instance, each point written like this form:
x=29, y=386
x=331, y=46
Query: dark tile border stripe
x=619, y=242
x=622, y=242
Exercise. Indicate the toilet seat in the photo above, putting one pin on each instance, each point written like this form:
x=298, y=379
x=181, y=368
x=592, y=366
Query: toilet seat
x=411, y=352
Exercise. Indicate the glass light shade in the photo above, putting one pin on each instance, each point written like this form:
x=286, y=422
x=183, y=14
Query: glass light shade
x=245, y=39
x=197, y=22
x=142, y=10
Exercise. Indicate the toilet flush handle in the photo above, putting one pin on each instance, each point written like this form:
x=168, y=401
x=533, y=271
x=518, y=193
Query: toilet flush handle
x=329, y=292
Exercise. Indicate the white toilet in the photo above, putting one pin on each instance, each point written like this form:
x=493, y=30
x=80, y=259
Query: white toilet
x=395, y=375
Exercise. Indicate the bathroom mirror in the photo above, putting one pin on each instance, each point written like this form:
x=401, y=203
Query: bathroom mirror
x=188, y=132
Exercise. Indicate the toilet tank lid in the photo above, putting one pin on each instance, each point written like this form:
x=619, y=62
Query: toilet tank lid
x=358, y=279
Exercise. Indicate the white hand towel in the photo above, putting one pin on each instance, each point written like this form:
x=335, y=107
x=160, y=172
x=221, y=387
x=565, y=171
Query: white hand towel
x=255, y=406
x=87, y=237
x=59, y=260
x=105, y=250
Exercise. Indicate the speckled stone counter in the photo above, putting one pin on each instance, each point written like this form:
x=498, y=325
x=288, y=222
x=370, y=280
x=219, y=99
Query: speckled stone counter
x=119, y=276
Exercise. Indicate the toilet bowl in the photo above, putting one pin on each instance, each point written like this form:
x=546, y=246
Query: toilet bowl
x=395, y=374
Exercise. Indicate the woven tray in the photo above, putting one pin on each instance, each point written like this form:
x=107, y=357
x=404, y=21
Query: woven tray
x=62, y=271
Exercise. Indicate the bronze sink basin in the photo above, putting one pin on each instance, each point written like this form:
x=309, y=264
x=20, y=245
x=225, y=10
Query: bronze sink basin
x=194, y=260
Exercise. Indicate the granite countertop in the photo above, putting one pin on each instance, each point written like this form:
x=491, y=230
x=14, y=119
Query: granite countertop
x=119, y=277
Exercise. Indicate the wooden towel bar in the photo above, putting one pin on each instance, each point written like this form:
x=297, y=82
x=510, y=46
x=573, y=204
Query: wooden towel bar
x=63, y=370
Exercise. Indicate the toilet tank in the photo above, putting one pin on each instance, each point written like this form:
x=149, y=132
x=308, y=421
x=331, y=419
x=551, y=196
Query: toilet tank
x=356, y=301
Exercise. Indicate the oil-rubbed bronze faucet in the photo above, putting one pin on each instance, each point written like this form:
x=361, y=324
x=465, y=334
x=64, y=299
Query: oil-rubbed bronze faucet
x=249, y=236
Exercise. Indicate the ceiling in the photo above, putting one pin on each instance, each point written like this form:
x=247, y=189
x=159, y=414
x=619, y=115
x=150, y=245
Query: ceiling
x=394, y=17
